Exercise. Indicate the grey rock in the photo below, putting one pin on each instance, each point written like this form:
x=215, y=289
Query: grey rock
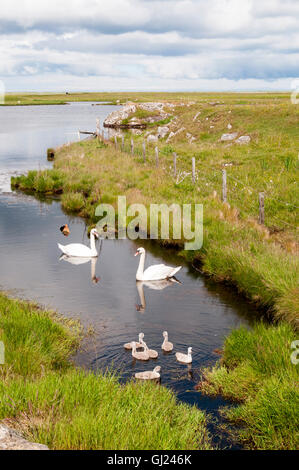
x=163, y=131
x=12, y=440
x=243, y=139
x=229, y=137
x=152, y=138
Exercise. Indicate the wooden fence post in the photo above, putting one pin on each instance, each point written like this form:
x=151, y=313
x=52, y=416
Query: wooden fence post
x=115, y=141
x=174, y=163
x=132, y=147
x=98, y=128
x=143, y=148
x=157, y=156
x=193, y=170
x=224, y=186
x=122, y=143
x=262, y=208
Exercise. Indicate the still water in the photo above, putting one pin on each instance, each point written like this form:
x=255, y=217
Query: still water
x=103, y=293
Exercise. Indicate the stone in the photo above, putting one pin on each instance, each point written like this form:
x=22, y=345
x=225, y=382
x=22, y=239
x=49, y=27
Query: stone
x=243, y=139
x=152, y=138
x=229, y=137
x=173, y=134
x=12, y=440
x=229, y=126
x=163, y=131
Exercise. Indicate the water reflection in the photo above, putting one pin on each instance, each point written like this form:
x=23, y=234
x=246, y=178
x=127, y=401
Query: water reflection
x=78, y=261
x=154, y=285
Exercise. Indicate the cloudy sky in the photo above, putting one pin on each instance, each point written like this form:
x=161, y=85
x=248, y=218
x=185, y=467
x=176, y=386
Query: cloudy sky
x=149, y=45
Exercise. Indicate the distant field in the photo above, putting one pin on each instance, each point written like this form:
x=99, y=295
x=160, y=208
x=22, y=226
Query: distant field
x=62, y=98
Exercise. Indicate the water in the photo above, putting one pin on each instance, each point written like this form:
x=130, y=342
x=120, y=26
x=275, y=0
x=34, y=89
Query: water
x=104, y=294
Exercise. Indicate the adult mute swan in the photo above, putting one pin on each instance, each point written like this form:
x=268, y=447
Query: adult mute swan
x=185, y=358
x=80, y=250
x=149, y=375
x=156, y=272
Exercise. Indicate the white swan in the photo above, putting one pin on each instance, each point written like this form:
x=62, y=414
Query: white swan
x=149, y=375
x=80, y=250
x=167, y=346
x=185, y=358
x=153, y=273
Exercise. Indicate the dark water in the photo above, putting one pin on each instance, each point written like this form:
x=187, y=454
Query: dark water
x=196, y=312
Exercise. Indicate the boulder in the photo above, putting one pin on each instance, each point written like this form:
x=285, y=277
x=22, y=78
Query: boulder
x=152, y=138
x=243, y=139
x=229, y=137
x=173, y=134
x=163, y=131
x=11, y=440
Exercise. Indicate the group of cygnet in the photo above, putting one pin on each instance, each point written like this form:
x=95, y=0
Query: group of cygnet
x=147, y=354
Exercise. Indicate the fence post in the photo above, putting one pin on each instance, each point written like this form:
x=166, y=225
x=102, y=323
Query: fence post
x=157, y=156
x=122, y=143
x=143, y=148
x=98, y=130
x=193, y=170
x=224, y=186
x=262, y=208
x=174, y=164
x=115, y=141
x=132, y=147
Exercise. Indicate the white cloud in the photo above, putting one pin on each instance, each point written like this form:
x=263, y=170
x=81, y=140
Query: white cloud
x=138, y=43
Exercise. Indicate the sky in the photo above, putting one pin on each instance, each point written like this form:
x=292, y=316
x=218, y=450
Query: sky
x=149, y=45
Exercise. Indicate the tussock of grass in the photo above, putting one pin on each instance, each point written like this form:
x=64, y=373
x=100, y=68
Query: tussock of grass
x=256, y=370
x=50, y=401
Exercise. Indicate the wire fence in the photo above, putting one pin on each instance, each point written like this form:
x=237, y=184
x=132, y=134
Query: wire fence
x=180, y=171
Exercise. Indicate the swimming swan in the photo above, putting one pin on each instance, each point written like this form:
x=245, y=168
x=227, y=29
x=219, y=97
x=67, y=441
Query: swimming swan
x=167, y=346
x=80, y=250
x=149, y=375
x=153, y=273
x=185, y=358
x=141, y=356
x=129, y=346
x=151, y=352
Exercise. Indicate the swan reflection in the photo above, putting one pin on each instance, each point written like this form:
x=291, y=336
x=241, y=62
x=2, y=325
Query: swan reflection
x=155, y=285
x=77, y=261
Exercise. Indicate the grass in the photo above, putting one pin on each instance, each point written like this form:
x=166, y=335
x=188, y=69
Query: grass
x=260, y=261
x=50, y=401
x=256, y=372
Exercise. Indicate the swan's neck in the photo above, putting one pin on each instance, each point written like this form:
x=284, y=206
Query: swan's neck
x=139, y=274
x=93, y=244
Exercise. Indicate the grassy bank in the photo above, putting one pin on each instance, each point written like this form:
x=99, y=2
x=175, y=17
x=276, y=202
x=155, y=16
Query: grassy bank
x=261, y=261
x=50, y=401
x=256, y=372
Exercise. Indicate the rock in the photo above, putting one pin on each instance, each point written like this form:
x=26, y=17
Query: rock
x=243, y=139
x=11, y=440
x=229, y=126
x=116, y=117
x=229, y=137
x=163, y=131
x=152, y=138
x=173, y=134
x=196, y=116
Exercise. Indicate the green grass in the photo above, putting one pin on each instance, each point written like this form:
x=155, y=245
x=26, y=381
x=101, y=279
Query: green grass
x=50, y=401
x=256, y=371
x=261, y=261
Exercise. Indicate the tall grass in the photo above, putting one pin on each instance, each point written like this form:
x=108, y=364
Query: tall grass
x=50, y=401
x=256, y=371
